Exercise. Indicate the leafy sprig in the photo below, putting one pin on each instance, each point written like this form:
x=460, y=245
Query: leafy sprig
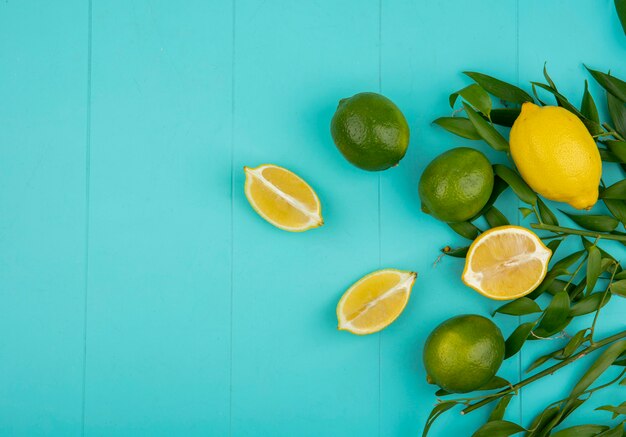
x=581, y=282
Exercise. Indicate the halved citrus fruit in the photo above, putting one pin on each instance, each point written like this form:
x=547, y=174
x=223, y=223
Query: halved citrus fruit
x=506, y=262
x=283, y=198
x=375, y=301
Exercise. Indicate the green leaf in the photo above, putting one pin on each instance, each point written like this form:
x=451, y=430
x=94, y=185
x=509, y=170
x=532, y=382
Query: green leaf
x=519, y=307
x=617, y=111
x=534, y=87
x=620, y=275
x=499, y=186
x=459, y=126
x=547, y=76
x=441, y=392
x=554, y=245
x=617, y=411
x=494, y=383
x=495, y=218
x=437, y=411
x=589, y=304
x=500, y=89
x=504, y=116
x=498, y=412
x=593, y=222
x=458, y=252
x=516, y=340
x=617, y=208
x=547, y=216
x=593, y=267
x=612, y=84
x=588, y=107
x=574, y=343
x=476, y=96
x=617, y=148
x=486, y=130
x=567, y=261
x=554, y=315
x=541, y=360
x=615, y=191
x=617, y=431
x=465, y=229
x=580, y=431
x=517, y=184
x=542, y=419
x=605, y=264
x=619, y=288
x=602, y=363
x=498, y=428
x=607, y=155
x=576, y=294
x=569, y=408
x=620, y=7
x=526, y=211
x=558, y=285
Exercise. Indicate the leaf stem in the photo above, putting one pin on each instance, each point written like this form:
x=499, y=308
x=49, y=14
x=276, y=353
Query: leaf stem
x=536, y=211
x=552, y=237
x=573, y=275
x=545, y=372
x=611, y=131
x=595, y=317
x=571, y=231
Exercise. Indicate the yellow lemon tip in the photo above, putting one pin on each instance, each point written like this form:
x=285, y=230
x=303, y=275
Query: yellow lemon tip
x=529, y=106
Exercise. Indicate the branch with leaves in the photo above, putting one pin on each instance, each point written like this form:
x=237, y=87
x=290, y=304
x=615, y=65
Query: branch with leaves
x=579, y=283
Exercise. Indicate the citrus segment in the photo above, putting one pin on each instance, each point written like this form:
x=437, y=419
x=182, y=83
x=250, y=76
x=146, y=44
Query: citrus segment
x=282, y=198
x=506, y=262
x=375, y=301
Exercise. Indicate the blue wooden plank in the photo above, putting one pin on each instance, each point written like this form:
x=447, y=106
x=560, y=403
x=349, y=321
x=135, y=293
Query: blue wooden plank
x=425, y=47
x=159, y=271
x=43, y=89
x=293, y=373
x=566, y=35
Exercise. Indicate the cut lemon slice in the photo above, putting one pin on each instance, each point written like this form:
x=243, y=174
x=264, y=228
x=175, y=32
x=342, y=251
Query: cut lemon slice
x=375, y=301
x=506, y=262
x=283, y=198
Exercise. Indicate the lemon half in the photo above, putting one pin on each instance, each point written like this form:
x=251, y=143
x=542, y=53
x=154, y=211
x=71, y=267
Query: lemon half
x=506, y=262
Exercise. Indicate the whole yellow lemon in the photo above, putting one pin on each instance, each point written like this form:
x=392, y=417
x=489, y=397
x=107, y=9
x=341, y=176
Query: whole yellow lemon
x=556, y=155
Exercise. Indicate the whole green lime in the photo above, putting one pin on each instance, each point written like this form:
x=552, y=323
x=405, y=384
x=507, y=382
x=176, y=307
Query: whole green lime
x=463, y=353
x=456, y=185
x=370, y=131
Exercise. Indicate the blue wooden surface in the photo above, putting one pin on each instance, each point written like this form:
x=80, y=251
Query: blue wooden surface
x=139, y=293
